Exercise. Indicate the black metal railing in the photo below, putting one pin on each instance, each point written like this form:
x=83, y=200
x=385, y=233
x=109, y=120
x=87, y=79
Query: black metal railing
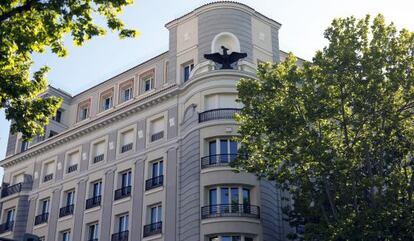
x=153, y=228
x=93, y=202
x=6, y=227
x=218, y=160
x=41, y=218
x=48, y=177
x=122, y=192
x=72, y=168
x=157, y=136
x=230, y=210
x=121, y=236
x=65, y=211
x=126, y=147
x=9, y=190
x=217, y=114
x=154, y=182
x=98, y=158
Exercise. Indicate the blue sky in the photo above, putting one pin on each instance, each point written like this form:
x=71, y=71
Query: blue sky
x=303, y=23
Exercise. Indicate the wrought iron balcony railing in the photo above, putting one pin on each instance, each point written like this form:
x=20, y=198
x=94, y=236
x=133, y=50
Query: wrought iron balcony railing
x=65, y=211
x=72, y=168
x=10, y=190
x=48, y=177
x=218, y=160
x=121, y=236
x=41, y=218
x=217, y=114
x=6, y=227
x=122, y=192
x=154, y=182
x=230, y=210
x=157, y=136
x=152, y=229
x=98, y=158
x=93, y=202
x=126, y=147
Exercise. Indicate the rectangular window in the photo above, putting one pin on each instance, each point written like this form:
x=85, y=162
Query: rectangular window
x=44, y=206
x=187, y=68
x=157, y=129
x=58, y=116
x=72, y=162
x=157, y=169
x=24, y=146
x=127, y=94
x=107, y=103
x=93, y=232
x=49, y=169
x=83, y=110
x=96, y=189
x=156, y=213
x=126, y=179
x=123, y=223
x=18, y=178
x=70, y=198
x=10, y=215
x=66, y=236
x=127, y=140
x=98, y=151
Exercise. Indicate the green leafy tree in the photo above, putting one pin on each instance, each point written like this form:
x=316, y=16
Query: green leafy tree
x=31, y=26
x=338, y=134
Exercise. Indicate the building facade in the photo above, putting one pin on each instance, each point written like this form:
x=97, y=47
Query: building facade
x=145, y=155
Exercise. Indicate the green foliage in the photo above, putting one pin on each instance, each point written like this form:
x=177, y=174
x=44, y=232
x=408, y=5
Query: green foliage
x=29, y=26
x=338, y=134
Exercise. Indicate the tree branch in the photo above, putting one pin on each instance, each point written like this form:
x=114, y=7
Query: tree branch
x=20, y=9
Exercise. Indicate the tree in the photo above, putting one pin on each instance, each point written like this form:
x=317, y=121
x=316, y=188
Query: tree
x=338, y=134
x=29, y=26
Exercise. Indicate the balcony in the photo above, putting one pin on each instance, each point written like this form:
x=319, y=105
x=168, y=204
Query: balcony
x=230, y=210
x=217, y=114
x=41, y=218
x=65, y=211
x=157, y=136
x=48, y=177
x=152, y=229
x=6, y=227
x=10, y=190
x=98, y=158
x=122, y=192
x=219, y=160
x=154, y=182
x=93, y=202
x=126, y=147
x=72, y=168
x=121, y=236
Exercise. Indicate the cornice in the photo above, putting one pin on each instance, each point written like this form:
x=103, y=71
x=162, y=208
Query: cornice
x=93, y=125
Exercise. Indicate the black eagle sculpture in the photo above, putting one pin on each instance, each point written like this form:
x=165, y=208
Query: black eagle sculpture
x=225, y=59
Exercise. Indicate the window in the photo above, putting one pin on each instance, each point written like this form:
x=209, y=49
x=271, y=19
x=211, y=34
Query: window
x=70, y=198
x=98, y=151
x=157, y=129
x=83, y=110
x=49, y=169
x=229, y=195
x=96, y=188
x=66, y=236
x=126, y=179
x=123, y=223
x=44, y=206
x=221, y=101
x=229, y=238
x=127, y=140
x=127, y=94
x=156, y=214
x=106, y=100
x=73, y=160
x=126, y=91
x=93, y=231
x=52, y=133
x=10, y=215
x=157, y=168
x=187, y=68
x=58, y=116
x=221, y=151
x=148, y=83
x=24, y=146
x=19, y=178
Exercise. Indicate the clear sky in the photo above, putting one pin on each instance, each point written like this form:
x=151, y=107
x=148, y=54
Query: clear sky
x=303, y=23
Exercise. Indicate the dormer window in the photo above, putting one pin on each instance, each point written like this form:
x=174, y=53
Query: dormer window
x=107, y=100
x=126, y=91
x=84, y=110
x=147, y=81
x=187, y=68
x=58, y=116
